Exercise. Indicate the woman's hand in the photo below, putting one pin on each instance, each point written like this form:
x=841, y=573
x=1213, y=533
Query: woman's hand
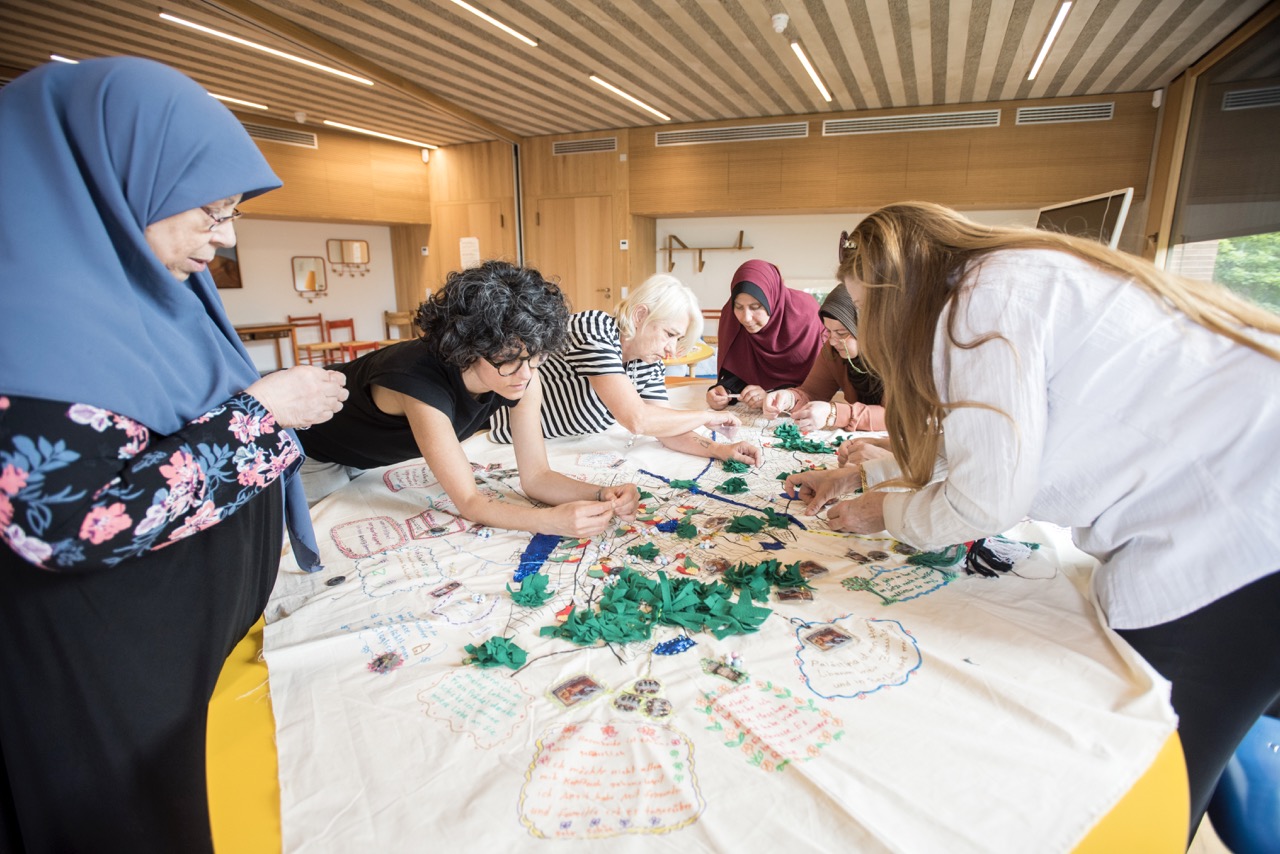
x=301, y=396
x=717, y=397
x=861, y=515
x=579, y=518
x=753, y=396
x=858, y=451
x=812, y=416
x=728, y=423
x=625, y=498
x=816, y=488
x=743, y=452
x=778, y=402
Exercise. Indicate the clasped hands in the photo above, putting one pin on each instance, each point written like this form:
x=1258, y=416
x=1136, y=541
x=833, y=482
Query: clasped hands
x=861, y=515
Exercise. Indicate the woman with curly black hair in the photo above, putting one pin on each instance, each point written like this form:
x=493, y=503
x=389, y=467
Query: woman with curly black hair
x=483, y=337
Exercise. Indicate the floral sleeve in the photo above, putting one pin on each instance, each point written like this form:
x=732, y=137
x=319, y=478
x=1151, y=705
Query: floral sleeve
x=83, y=488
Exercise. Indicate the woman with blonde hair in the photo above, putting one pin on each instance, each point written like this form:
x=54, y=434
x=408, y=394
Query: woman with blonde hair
x=1029, y=373
x=611, y=371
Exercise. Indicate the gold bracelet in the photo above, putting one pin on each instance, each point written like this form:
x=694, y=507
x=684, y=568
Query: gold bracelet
x=831, y=418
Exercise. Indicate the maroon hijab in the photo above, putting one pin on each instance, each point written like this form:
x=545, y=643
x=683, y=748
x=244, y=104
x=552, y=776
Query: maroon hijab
x=780, y=354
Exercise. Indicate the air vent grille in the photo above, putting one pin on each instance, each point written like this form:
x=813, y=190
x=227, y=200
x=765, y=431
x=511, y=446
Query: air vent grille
x=920, y=121
x=1251, y=99
x=741, y=133
x=288, y=136
x=1066, y=113
x=585, y=146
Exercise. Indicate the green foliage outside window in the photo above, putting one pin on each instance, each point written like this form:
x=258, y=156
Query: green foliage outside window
x=1250, y=266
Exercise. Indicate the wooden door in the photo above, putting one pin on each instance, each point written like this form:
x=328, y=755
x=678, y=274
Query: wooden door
x=486, y=226
x=572, y=243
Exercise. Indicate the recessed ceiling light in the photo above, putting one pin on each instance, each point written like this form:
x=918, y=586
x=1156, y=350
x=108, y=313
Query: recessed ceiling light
x=57, y=58
x=381, y=135
x=813, y=75
x=231, y=100
x=492, y=20
x=1048, y=39
x=615, y=90
x=246, y=43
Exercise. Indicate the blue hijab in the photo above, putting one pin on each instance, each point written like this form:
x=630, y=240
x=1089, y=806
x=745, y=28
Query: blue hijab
x=90, y=155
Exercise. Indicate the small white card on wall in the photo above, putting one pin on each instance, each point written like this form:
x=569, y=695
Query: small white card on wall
x=469, y=250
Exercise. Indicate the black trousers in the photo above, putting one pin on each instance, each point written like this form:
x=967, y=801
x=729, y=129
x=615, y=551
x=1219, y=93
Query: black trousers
x=1224, y=663
x=105, y=680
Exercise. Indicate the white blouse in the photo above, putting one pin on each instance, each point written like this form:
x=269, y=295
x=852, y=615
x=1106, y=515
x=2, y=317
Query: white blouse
x=1153, y=438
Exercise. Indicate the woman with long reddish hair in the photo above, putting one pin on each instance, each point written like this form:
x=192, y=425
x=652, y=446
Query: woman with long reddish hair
x=1029, y=373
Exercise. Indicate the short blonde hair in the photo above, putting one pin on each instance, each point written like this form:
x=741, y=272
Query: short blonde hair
x=667, y=300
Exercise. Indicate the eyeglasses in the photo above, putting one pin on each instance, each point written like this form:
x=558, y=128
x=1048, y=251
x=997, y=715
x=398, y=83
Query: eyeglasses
x=220, y=220
x=511, y=366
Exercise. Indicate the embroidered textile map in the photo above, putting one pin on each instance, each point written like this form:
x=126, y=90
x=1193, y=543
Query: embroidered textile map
x=835, y=692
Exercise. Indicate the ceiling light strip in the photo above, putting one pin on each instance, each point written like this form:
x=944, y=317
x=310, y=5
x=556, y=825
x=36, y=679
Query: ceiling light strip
x=242, y=103
x=355, y=129
x=813, y=74
x=492, y=20
x=615, y=90
x=1048, y=39
x=246, y=43
x=58, y=58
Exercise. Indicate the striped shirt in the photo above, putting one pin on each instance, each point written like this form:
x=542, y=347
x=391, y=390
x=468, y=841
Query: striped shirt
x=570, y=407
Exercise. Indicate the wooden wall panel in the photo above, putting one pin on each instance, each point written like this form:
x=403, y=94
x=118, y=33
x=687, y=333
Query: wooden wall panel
x=642, y=252
x=345, y=179
x=1000, y=167
x=472, y=195
x=411, y=266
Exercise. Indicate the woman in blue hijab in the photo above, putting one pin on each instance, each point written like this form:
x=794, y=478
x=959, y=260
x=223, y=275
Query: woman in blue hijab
x=145, y=467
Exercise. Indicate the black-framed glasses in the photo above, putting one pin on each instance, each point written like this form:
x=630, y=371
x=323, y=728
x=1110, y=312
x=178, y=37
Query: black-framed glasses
x=511, y=366
x=221, y=220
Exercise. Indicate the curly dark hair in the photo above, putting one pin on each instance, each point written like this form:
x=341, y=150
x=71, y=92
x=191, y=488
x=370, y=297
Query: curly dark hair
x=493, y=312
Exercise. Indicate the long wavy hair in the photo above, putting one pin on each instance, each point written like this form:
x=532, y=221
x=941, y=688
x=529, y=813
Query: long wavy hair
x=912, y=259
x=493, y=311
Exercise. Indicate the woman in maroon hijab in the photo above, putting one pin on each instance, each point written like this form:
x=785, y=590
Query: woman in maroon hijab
x=769, y=337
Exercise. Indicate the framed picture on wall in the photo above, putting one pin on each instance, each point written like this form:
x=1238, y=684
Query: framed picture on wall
x=309, y=275
x=225, y=268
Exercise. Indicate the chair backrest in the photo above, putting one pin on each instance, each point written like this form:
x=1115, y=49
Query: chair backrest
x=346, y=323
x=304, y=321
x=399, y=320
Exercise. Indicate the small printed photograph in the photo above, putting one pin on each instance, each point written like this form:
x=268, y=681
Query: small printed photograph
x=627, y=702
x=905, y=549
x=714, y=523
x=445, y=589
x=647, y=686
x=795, y=594
x=715, y=564
x=657, y=707
x=857, y=556
x=828, y=638
x=811, y=569
x=724, y=671
x=576, y=690
x=878, y=555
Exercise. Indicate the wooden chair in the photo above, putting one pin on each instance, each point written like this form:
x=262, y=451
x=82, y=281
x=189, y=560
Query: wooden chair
x=402, y=322
x=308, y=349
x=344, y=351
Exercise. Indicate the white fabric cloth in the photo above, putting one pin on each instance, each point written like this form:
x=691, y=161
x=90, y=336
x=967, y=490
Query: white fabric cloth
x=962, y=715
x=1153, y=438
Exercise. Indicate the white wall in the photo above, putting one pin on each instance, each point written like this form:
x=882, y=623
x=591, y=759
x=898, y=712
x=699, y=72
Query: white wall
x=266, y=249
x=803, y=247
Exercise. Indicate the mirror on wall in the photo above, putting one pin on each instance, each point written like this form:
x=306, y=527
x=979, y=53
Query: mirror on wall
x=309, y=277
x=348, y=256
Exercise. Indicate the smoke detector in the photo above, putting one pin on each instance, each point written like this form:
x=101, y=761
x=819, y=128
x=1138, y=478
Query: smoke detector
x=780, y=21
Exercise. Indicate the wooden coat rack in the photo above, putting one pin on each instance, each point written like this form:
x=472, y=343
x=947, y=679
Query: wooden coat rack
x=675, y=244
